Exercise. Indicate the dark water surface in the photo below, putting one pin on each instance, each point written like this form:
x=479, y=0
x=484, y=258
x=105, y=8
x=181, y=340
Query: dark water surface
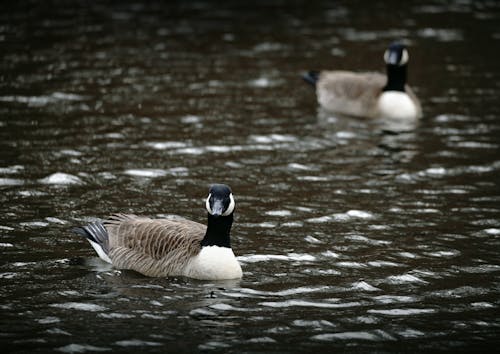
x=353, y=236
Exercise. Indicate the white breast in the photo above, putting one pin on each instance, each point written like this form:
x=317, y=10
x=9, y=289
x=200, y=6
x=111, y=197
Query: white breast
x=214, y=263
x=396, y=105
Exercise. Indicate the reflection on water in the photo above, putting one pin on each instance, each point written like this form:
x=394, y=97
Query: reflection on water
x=353, y=235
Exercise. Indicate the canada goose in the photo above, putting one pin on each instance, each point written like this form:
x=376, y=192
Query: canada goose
x=170, y=247
x=371, y=95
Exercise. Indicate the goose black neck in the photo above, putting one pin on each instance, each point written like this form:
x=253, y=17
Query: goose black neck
x=396, y=78
x=218, y=230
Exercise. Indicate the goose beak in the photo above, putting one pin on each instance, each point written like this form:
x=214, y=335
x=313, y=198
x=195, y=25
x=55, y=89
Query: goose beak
x=392, y=58
x=217, y=208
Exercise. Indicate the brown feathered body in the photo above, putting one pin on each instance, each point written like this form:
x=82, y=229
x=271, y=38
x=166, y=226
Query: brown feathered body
x=153, y=247
x=355, y=94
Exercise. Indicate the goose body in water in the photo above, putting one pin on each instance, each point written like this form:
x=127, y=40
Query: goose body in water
x=165, y=247
x=368, y=94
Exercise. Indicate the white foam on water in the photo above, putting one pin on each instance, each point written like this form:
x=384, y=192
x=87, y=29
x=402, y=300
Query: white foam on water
x=379, y=264
x=11, y=169
x=355, y=265
x=411, y=333
x=137, y=343
x=342, y=217
x=264, y=340
x=291, y=257
x=281, y=213
x=314, y=178
x=166, y=145
x=365, y=239
x=115, y=136
x=71, y=152
x=81, y=348
x=63, y=96
x=286, y=292
x=427, y=211
x=39, y=101
x=293, y=224
x=226, y=307
x=263, y=82
x=320, y=220
x=359, y=214
x=61, y=178
x=178, y=171
x=202, y=312
x=305, y=303
x=267, y=225
x=11, y=182
x=330, y=254
x=408, y=255
x=436, y=171
x=300, y=167
x=221, y=149
x=360, y=335
x=401, y=312
x=211, y=345
x=482, y=304
x=441, y=34
x=404, y=279
x=55, y=220
x=115, y=315
x=5, y=244
x=8, y=275
x=273, y=138
x=269, y=47
x=362, y=285
x=313, y=323
x=191, y=151
x=81, y=306
x=48, y=320
x=475, y=145
x=34, y=224
x=345, y=135
x=146, y=172
x=312, y=240
x=57, y=331
x=492, y=231
x=31, y=193
x=444, y=254
x=483, y=268
x=153, y=317
x=191, y=119
x=22, y=264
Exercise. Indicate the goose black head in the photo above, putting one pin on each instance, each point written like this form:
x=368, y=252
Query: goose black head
x=396, y=54
x=220, y=200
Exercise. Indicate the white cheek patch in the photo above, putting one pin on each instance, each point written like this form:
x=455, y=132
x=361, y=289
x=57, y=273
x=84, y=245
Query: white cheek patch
x=230, y=208
x=404, y=57
x=207, y=204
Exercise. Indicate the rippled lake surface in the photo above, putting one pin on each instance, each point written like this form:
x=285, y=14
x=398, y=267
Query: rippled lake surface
x=353, y=235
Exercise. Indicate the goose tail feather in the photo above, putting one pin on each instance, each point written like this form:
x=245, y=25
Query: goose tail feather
x=98, y=237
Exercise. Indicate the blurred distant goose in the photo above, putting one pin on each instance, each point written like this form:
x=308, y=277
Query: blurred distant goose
x=163, y=247
x=367, y=94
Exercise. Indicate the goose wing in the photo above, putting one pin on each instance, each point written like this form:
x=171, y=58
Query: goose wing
x=350, y=93
x=153, y=247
